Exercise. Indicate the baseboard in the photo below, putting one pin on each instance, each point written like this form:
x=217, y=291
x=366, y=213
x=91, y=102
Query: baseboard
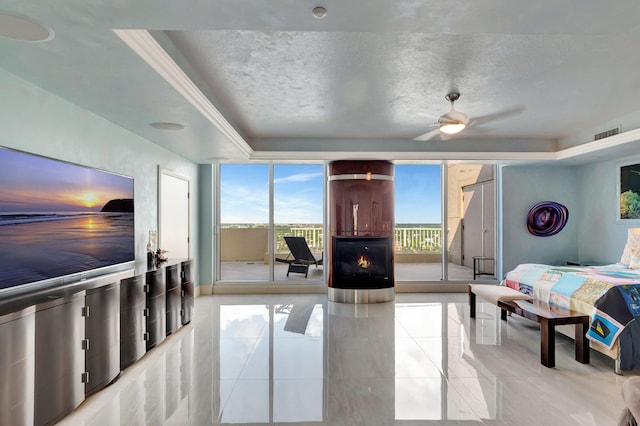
x=245, y=288
x=203, y=290
x=265, y=288
x=441, y=287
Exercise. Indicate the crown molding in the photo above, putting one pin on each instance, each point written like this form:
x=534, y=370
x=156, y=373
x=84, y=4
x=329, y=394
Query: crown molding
x=141, y=42
x=598, y=147
x=487, y=157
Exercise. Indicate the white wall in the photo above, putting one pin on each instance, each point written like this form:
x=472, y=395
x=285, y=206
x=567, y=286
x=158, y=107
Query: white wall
x=36, y=121
x=524, y=186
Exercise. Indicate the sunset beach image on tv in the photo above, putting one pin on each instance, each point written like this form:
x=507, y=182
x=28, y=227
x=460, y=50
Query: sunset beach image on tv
x=58, y=218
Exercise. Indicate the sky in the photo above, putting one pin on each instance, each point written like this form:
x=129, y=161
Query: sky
x=244, y=193
x=29, y=183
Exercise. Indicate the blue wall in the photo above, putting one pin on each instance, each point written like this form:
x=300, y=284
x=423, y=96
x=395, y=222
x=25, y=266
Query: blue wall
x=36, y=121
x=592, y=234
x=602, y=237
x=524, y=186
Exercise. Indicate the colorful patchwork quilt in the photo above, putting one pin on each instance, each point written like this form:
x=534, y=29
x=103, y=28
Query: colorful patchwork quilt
x=609, y=294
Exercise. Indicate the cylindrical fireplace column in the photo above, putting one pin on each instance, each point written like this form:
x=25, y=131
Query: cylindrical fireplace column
x=360, y=251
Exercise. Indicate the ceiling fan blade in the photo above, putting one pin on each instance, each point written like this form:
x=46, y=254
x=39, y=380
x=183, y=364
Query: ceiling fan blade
x=479, y=130
x=496, y=116
x=428, y=136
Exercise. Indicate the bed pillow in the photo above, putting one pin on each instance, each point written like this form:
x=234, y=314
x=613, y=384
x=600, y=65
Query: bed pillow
x=633, y=245
x=634, y=261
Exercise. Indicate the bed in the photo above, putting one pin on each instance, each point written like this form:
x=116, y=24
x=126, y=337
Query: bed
x=609, y=294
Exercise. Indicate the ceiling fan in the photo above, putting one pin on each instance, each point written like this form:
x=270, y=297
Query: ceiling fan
x=450, y=123
x=454, y=121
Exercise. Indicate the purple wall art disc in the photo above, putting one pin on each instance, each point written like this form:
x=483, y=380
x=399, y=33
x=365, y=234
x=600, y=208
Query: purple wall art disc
x=547, y=218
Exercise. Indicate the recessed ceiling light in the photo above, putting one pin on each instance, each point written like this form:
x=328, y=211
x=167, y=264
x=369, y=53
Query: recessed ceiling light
x=319, y=12
x=22, y=28
x=166, y=126
x=214, y=159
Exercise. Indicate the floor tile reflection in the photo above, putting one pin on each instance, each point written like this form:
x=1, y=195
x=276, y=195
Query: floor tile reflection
x=299, y=359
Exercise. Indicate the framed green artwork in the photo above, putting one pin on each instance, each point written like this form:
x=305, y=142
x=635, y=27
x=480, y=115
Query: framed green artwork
x=629, y=191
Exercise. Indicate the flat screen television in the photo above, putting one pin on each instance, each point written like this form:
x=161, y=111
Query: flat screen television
x=58, y=219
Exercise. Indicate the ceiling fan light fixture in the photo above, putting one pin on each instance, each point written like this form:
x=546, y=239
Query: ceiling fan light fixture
x=454, y=121
x=452, y=128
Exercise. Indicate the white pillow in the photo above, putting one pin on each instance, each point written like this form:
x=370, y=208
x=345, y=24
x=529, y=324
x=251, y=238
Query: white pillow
x=634, y=262
x=633, y=245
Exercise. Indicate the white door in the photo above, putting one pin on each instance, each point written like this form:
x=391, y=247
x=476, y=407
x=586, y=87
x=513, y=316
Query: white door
x=173, y=215
x=478, y=223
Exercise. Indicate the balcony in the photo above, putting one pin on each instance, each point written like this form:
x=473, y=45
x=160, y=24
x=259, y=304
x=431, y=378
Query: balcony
x=244, y=254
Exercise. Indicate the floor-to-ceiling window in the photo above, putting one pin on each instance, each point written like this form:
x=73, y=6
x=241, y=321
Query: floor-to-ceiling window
x=424, y=238
x=418, y=222
x=259, y=206
x=471, y=221
x=444, y=218
x=298, y=213
x=244, y=222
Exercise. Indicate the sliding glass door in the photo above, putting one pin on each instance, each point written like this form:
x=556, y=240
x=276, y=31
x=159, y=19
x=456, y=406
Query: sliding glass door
x=297, y=221
x=471, y=221
x=418, y=227
x=261, y=206
x=244, y=222
x=423, y=237
x=443, y=212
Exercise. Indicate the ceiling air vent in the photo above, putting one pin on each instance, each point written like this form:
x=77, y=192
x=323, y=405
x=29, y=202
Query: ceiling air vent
x=606, y=133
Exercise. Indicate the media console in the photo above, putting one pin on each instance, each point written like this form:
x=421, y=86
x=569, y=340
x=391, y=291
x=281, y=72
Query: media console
x=65, y=343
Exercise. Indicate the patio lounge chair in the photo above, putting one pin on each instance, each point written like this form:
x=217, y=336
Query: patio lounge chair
x=300, y=257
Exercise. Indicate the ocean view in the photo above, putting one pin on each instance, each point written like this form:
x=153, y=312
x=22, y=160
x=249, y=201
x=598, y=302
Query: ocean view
x=18, y=218
x=40, y=246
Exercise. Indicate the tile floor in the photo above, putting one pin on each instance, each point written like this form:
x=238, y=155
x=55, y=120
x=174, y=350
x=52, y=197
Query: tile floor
x=299, y=359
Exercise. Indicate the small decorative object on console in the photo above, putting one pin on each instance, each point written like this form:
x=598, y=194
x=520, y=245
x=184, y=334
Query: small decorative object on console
x=151, y=247
x=160, y=257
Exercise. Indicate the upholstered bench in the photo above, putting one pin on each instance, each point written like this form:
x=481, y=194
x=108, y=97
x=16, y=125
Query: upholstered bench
x=493, y=293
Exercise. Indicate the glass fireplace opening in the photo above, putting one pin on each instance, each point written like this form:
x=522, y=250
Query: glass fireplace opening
x=362, y=262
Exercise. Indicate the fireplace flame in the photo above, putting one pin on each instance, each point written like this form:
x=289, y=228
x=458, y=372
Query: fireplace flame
x=364, y=262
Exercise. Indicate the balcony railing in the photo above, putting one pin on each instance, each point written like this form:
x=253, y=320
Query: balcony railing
x=417, y=240
x=313, y=235
x=408, y=239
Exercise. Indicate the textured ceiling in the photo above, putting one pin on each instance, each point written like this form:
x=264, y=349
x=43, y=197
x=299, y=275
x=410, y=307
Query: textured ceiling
x=368, y=78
